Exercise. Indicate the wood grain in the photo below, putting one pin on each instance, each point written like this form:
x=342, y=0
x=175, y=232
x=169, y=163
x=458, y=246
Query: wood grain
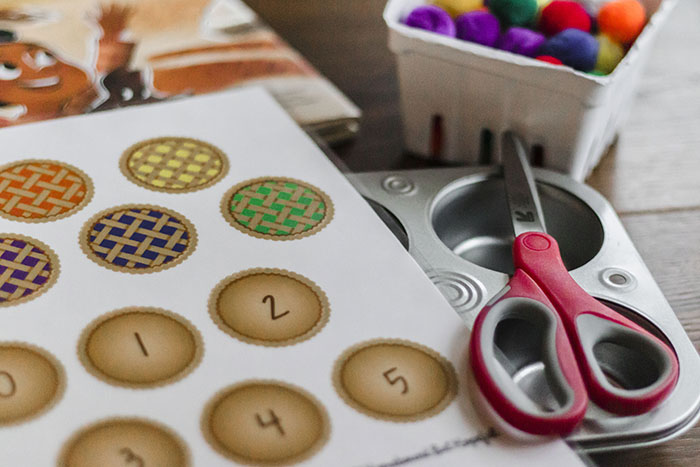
x=668, y=242
x=651, y=176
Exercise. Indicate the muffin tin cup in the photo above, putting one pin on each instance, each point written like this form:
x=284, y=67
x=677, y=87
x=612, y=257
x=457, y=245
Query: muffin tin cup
x=455, y=223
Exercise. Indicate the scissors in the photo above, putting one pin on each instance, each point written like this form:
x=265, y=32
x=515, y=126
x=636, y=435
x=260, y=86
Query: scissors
x=544, y=316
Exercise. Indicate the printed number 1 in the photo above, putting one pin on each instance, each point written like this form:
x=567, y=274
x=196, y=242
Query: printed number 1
x=143, y=347
x=396, y=380
x=273, y=421
x=5, y=376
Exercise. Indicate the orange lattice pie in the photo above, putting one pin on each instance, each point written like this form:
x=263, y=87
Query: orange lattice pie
x=42, y=190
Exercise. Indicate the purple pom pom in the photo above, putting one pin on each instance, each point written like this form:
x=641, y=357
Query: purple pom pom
x=573, y=47
x=432, y=18
x=478, y=26
x=522, y=41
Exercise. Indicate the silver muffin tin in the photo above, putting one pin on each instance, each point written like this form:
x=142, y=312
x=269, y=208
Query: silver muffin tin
x=455, y=223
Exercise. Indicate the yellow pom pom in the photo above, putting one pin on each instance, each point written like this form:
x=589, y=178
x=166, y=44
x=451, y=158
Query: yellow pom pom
x=609, y=54
x=458, y=7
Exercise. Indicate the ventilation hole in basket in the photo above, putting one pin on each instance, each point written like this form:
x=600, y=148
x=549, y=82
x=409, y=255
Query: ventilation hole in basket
x=537, y=155
x=485, y=146
x=436, y=137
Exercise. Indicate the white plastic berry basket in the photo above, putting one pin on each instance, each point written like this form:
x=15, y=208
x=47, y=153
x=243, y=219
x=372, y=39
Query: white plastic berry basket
x=456, y=95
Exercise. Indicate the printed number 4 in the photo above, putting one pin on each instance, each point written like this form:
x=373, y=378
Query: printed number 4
x=273, y=421
x=391, y=381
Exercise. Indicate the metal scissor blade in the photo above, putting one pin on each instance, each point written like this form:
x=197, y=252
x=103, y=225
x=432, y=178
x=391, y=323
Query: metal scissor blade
x=521, y=191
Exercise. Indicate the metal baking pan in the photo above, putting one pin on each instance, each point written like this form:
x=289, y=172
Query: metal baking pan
x=455, y=222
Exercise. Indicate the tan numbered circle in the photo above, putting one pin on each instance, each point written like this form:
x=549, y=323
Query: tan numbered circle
x=395, y=380
x=277, y=208
x=173, y=164
x=31, y=381
x=138, y=238
x=124, y=442
x=140, y=347
x=270, y=307
x=28, y=268
x=265, y=423
x=42, y=190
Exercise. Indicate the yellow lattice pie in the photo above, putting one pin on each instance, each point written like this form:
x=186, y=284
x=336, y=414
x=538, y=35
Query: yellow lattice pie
x=174, y=164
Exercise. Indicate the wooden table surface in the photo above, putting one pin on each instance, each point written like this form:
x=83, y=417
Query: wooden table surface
x=650, y=176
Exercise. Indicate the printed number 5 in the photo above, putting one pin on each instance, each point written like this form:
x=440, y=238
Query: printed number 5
x=397, y=379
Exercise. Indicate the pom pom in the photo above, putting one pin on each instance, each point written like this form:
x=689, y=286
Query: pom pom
x=622, y=20
x=521, y=41
x=574, y=48
x=514, y=12
x=609, y=55
x=478, y=26
x=549, y=59
x=431, y=18
x=564, y=14
x=458, y=7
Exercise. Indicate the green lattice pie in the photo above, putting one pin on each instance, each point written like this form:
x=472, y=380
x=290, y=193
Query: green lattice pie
x=277, y=208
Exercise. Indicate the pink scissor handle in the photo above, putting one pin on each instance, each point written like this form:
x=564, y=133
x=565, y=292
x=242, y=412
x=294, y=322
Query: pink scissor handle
x=605, y=342
x=523, y=305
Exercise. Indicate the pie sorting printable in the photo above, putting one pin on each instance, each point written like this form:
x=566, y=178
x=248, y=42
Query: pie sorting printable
x=193, y=283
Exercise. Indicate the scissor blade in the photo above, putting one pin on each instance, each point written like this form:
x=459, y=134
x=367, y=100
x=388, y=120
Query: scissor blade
x=521, y=191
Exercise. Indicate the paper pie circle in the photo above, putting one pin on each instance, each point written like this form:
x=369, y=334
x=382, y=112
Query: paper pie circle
x=174, y=164
x=277, y=208
x=31, y=382
x=125, y=441
x=28, y=268
x=265, y=422
x=270, y=307
x=42, y=190
x=395, y=379
x=140, y=347
x=138, y=238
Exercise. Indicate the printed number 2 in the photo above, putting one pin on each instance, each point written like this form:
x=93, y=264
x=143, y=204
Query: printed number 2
x=391, y=381
x=272, y=307
x=273, y=421
x=8, y=389
x=131, y=457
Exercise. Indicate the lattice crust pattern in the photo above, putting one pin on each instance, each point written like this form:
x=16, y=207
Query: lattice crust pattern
x=277, y=208
x=174, y=164
x=138, y=238
x=42, y=190
x=27, y=268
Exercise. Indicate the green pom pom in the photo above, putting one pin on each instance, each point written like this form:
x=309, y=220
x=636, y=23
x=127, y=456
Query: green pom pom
x=514, y=12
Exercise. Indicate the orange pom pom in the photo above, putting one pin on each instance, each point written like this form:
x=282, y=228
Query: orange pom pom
x=622, y=20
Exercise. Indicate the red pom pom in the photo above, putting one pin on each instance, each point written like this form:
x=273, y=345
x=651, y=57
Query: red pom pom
x=549, y=59
x=564, y=14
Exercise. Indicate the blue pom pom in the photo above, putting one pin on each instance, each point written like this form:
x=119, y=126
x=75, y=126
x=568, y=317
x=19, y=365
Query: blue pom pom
x=574, y=48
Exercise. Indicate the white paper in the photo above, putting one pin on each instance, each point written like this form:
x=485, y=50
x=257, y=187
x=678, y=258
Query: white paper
x=374, y=287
